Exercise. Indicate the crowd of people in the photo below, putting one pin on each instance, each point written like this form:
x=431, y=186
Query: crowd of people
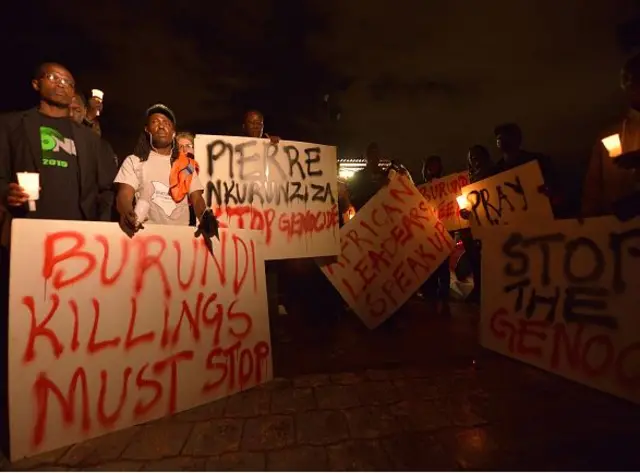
x=82, y=179
x=611, y=185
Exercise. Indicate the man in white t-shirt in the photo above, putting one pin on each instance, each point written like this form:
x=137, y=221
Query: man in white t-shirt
x=145, y=177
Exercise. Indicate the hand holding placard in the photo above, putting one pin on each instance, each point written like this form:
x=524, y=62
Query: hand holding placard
x=463, y=204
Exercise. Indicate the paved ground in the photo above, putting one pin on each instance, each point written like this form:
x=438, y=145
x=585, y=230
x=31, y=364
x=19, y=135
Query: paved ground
x=417, y=396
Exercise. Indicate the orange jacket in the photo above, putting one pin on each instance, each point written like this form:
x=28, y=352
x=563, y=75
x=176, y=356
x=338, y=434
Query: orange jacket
x=182, y=172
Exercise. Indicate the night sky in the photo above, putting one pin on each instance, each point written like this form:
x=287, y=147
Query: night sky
x=431, y=77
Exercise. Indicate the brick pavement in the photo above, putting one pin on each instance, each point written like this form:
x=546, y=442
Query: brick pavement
x=499, y=415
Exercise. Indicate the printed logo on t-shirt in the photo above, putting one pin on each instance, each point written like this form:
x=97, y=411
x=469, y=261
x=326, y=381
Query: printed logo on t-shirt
x=162, y=198
x=56, y=149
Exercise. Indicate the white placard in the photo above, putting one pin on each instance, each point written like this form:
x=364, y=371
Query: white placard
x=441, y=196
x=511, y=197
x=106, y=332
x=287, y=190
x=564, y=297
x=389, y=248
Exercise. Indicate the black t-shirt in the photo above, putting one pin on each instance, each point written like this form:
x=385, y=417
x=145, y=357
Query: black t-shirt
x=59, y=172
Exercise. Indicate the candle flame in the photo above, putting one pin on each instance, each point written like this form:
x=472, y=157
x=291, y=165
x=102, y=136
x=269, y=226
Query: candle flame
x=463, y=202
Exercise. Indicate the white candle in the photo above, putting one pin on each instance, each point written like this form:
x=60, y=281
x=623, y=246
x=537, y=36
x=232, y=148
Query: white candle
x=97, y=93
x=463, y=202
x=613, y=145
x=30, y=182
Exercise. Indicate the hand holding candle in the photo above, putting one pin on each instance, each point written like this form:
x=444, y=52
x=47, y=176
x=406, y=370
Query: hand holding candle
x=95, y=102
x=613, y=145
x=463, y=203
x=30, y=182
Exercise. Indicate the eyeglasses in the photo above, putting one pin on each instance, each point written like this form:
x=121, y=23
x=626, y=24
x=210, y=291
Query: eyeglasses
x=186, y=147
x=56, y=79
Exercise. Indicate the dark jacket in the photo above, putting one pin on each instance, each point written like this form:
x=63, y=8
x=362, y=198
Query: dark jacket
x=20, y=150
x=485, y=173
x=364, y=185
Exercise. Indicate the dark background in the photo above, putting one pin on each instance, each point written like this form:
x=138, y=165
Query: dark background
x=420, y=77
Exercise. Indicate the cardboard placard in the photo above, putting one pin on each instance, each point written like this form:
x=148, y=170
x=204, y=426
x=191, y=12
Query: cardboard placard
x=389, y=248
x=564, y=297
x=106, y=332
x=288, y=191
x=441, y=195
x=511, y=197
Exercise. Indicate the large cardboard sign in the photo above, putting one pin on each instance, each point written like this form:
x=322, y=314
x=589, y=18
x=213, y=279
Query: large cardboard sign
x=441, y=195
x=389, y=248
x=106, y=332
x=288, y=191
x=564, y=297
x=511, y=197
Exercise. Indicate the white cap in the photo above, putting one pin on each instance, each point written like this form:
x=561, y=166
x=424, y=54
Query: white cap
x=97, y=93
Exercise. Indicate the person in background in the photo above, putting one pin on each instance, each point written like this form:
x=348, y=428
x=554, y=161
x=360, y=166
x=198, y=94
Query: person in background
x=480, y=167
x=78, y=108
x=509, y=142
x=94, y=109
x=605, y=182
x=253, y=126
x=431, y=169
x=479, y=164
x=146, y=177
x=76, y=174
x=343, y=198
x=438, y=286
x=368, y=181
x=78, y=113
x=185, y=141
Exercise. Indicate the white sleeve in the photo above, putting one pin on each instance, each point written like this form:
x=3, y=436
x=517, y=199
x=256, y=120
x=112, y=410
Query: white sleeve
x=196, y=184
x=127, y=173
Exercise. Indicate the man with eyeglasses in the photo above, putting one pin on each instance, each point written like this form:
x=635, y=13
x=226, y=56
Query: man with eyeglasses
x=76, y=171
x=76, y=175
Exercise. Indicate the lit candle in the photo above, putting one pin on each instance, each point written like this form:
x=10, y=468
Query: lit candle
x=463, y=202
x=613, y=145
x=97, y=93
x=30, y=182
